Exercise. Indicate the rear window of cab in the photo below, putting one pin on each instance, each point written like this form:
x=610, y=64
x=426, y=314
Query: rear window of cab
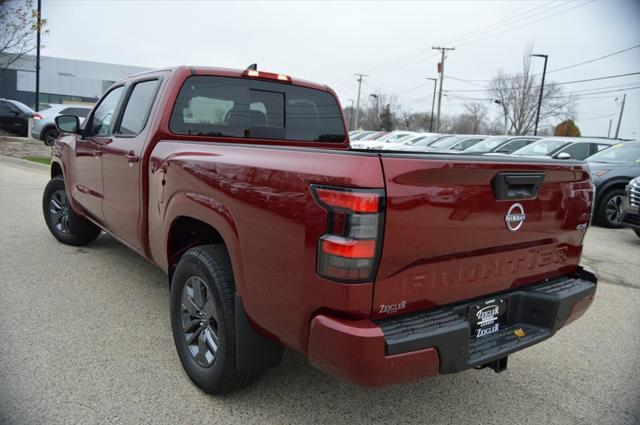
x=245, y=108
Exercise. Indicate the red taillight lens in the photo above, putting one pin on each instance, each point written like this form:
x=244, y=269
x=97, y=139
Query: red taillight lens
x=348, y=252
x=37, y=117
x=348, y=248
x=351, y=201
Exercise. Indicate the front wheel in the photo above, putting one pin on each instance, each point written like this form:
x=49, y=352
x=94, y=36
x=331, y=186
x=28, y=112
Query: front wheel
x=609, y=209
x=203, y=320
x=64, y=224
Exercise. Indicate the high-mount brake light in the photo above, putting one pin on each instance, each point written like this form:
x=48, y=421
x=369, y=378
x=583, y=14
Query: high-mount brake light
x=350, y=249
x=266, y=75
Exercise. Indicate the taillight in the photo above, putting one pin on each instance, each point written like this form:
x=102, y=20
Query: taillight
x=266, y=75
x=37, y=117
x=349, y=250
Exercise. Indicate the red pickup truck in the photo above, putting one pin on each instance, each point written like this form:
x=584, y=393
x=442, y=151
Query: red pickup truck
x=380, y=267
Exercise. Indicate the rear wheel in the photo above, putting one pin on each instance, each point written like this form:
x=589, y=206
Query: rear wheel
x=63, y=223
x=637, y=232
x=203, y=320
x=50, y=135
x=609, y=209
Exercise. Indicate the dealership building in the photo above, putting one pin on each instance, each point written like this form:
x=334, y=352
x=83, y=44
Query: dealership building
x=61, y=80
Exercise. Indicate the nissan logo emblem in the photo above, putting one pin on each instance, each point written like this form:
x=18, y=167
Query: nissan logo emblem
x=515, y=217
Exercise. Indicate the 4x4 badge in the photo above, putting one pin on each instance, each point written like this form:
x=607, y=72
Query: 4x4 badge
x=515, y=217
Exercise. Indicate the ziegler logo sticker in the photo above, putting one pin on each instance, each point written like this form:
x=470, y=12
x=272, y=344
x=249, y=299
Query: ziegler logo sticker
x=515, y=217
x=392, y=308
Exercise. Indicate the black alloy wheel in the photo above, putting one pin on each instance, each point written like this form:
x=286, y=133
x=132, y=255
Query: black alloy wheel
x=200, y=321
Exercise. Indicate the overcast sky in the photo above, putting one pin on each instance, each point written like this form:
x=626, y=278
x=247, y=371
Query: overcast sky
x=328, y=42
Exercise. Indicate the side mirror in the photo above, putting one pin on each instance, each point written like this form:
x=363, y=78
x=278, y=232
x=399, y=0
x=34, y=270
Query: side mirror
x=563, y=155
x=68, y=123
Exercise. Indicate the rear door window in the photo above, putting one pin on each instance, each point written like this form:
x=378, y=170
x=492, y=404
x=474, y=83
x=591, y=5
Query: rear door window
x=238, y=107
x=136, y=112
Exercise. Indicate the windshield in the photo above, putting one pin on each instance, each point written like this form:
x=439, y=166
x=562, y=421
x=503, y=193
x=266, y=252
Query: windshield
x=488, y=145
x=395, y=137
x=627, y=153
x=541, y=148
x=429, y=140
x=361, y=135
x=448, y=142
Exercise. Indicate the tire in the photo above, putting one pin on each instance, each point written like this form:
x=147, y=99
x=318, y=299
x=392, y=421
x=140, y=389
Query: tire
x=49, y=135
x=637, y=232
x=63, y=223
x=605, y=214
x=203, y=320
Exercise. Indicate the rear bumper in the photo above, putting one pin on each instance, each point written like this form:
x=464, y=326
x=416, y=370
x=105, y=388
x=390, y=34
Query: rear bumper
x=423, y=344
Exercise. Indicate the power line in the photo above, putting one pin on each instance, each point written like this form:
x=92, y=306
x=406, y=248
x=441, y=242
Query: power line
x=560, y=83
x=409, y=60
x=470, y=81
x=528, y=23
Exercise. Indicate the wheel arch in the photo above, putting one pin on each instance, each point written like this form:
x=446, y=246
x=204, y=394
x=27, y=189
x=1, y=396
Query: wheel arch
x=617, y=183
x=193, y=220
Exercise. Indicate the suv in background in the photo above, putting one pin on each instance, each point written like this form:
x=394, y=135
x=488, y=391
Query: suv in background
x=630, y=214
x=14, y=117
x=44, y=126
x=579, y=148
x=611, y=170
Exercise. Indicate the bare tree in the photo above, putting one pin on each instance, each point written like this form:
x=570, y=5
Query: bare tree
x=19, y=22
x=518, y=95
x=476, y=113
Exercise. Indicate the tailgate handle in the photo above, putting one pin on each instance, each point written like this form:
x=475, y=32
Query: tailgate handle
x=517, y=185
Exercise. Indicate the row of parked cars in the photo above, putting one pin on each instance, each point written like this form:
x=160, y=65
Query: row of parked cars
x=14, y=118
x=613, y=163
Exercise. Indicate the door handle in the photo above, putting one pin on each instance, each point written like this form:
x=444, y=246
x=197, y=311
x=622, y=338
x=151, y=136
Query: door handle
x=132, y=157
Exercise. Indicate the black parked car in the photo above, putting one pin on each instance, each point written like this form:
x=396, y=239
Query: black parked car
x=611, y=170
x=14, y=117
x=630, y=214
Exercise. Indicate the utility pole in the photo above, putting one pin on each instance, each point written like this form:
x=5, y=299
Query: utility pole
x=620, y=117
x=375, y=96
x=433, y=102
x=544, y=73
x=351, y=116
x=39, y=24
x=443, y=50
x=360, y=76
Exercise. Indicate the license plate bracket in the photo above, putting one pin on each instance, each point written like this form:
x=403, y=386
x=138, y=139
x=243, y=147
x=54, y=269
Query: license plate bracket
x=487, y=317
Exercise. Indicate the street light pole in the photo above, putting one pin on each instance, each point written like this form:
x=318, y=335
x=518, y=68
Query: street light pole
x=360, y=77
x=433, y=102
x=39, y=25
x=544, y=73
x=375, y=96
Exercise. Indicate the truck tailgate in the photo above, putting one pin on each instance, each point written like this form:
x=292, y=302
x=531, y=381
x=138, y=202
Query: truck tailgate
x=460, y=228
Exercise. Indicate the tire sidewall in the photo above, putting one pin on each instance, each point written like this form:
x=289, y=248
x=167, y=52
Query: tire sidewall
x=602, y=207
x=81, y=233
x=45, y=133
x=210, y=377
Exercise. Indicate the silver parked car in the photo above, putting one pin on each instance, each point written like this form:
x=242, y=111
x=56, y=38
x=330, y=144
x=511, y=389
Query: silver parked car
x=44, y=126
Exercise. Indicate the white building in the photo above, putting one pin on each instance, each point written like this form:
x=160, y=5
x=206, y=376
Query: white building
x=61, y=80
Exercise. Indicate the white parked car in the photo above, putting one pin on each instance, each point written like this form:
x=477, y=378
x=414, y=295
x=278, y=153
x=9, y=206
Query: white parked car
x=44, y=126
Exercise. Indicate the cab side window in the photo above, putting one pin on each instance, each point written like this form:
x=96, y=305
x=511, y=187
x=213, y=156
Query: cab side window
x=104, y=116
x=138, y=107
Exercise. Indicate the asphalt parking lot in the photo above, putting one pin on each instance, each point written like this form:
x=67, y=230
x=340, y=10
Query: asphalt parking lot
x=85, y=338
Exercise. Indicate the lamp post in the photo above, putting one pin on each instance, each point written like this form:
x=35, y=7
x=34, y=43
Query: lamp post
x=433, y=102
x=375, y=96
x=544, y=73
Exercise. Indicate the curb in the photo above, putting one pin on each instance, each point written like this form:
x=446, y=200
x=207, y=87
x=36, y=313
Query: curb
x=23, y=163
